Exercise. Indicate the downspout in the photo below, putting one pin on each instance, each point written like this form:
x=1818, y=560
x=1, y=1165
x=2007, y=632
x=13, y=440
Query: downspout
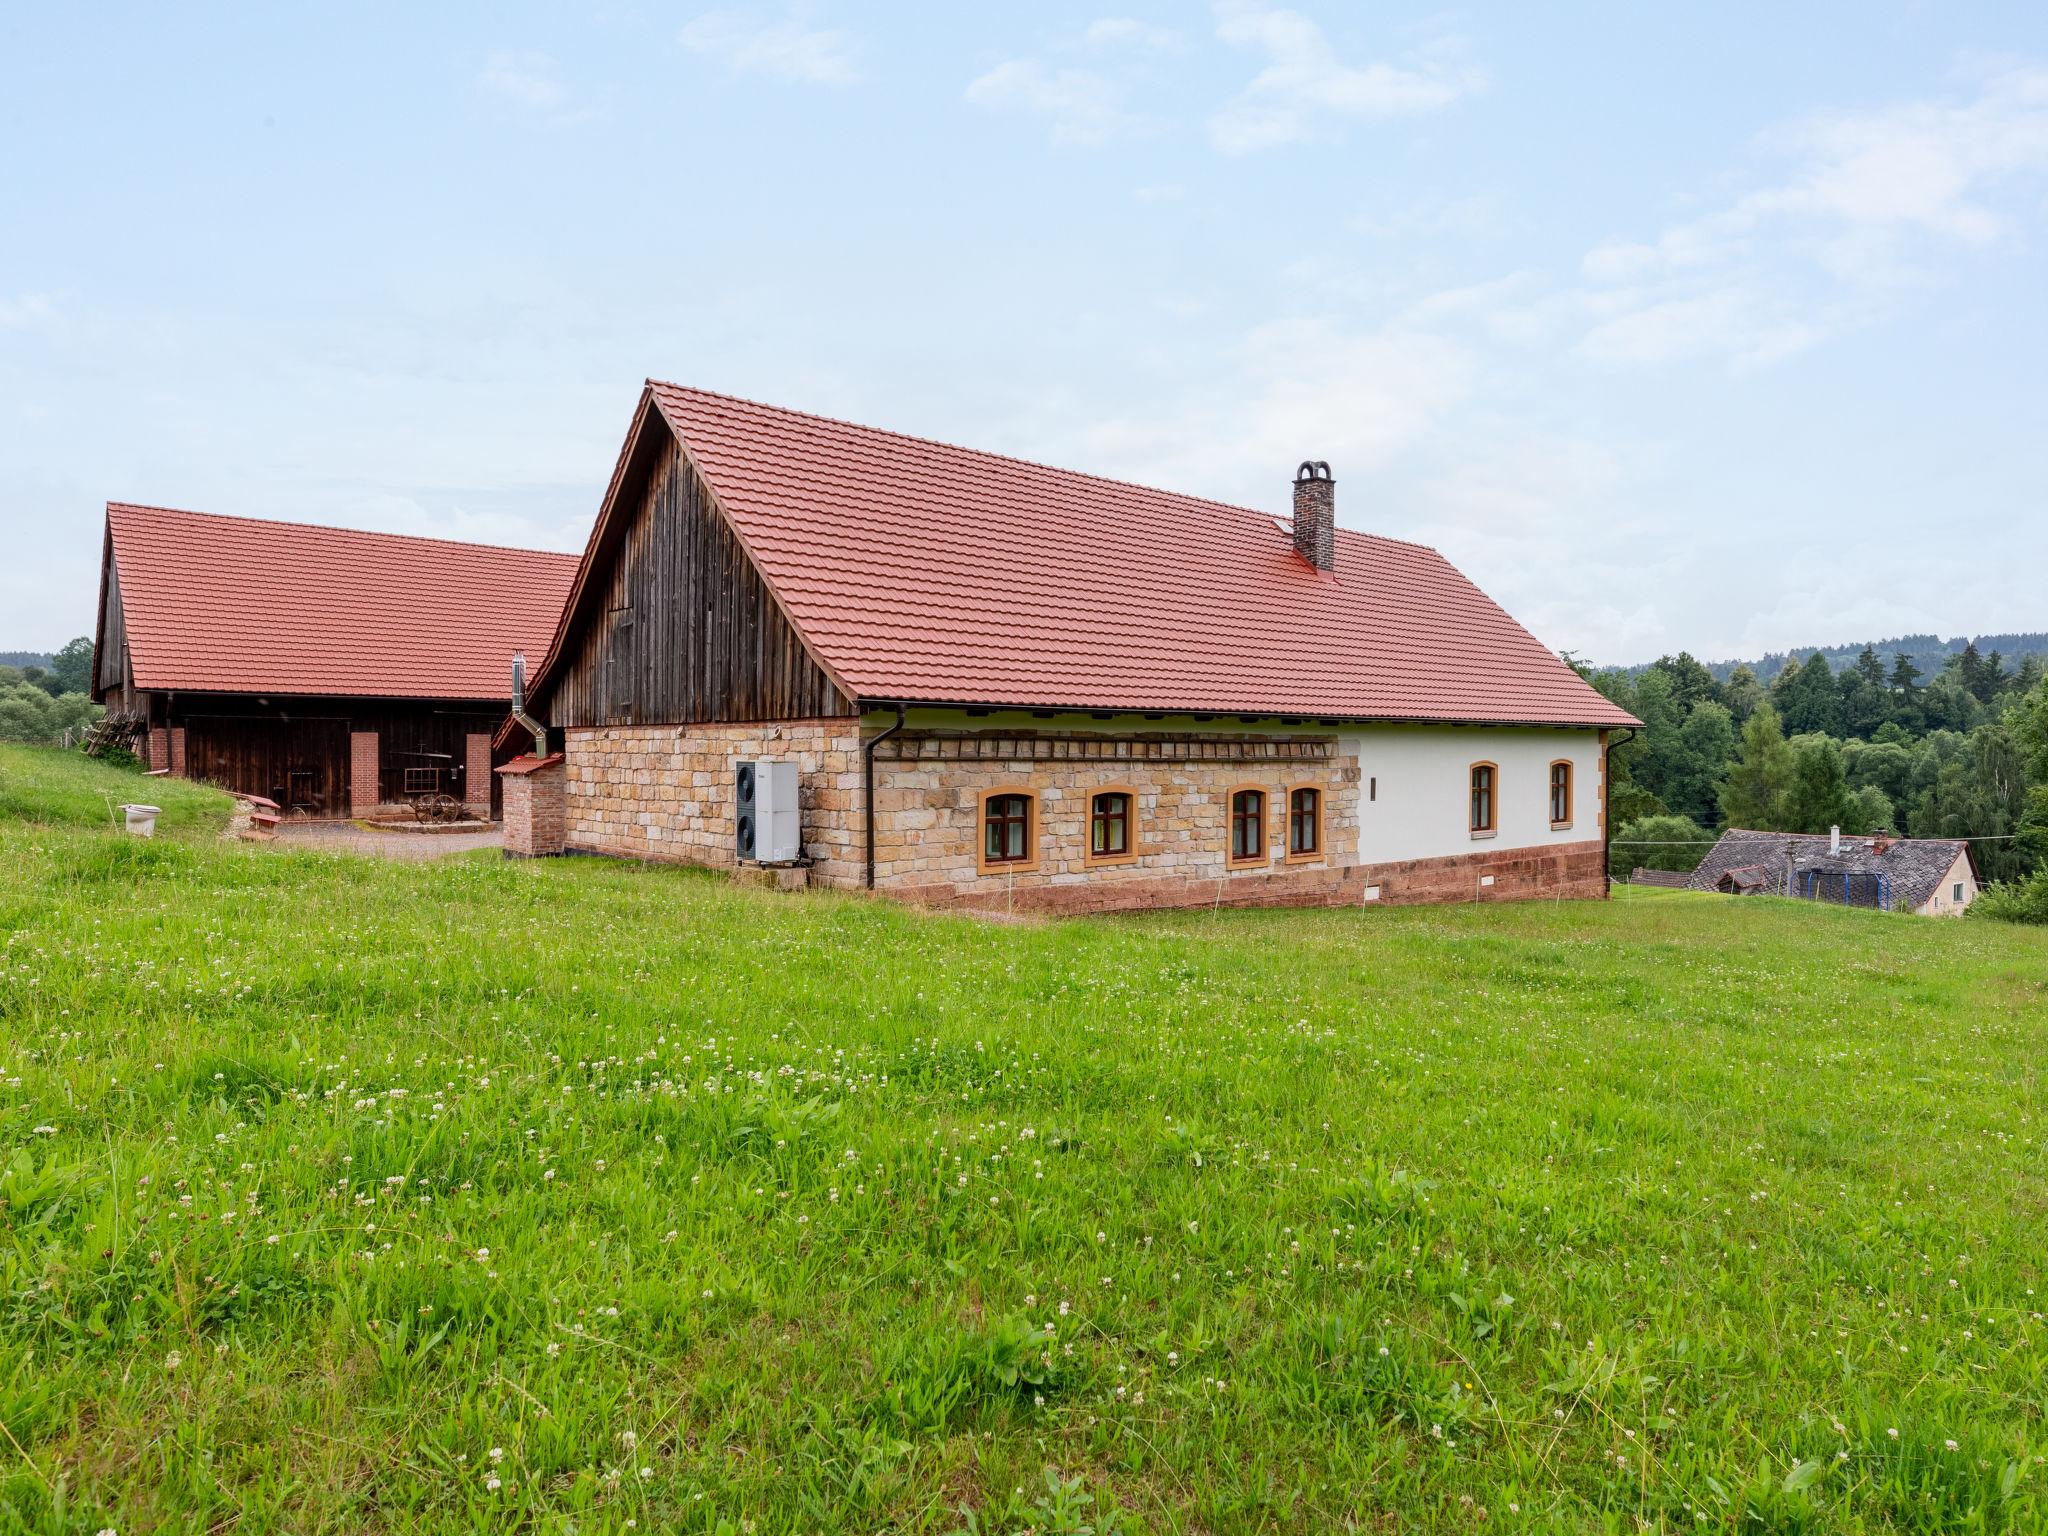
x=534, y=728
x=1607, y=746
x=867, y=786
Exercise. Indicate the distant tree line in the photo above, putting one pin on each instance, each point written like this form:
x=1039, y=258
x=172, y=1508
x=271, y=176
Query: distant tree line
x=39, y=703
x=1877, y=746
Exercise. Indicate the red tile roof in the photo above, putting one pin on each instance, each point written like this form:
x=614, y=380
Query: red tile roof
x=246, y=605
x=917, y=571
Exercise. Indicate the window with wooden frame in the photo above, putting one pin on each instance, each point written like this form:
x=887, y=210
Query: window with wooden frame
x=1009, y=831
x=1304, y=823
x=1113, y=825
x=1248, y=828
x=1485, y=807
x=1560, y=794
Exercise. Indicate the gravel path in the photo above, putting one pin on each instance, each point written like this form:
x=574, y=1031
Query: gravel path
x=347, y=837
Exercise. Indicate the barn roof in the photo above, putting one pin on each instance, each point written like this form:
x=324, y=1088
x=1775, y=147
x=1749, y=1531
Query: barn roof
x=916, y=571
x=246, y=605
x=1915, y=866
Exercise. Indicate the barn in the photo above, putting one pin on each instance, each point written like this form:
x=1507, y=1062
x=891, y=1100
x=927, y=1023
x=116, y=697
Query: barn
x=959, y=678
x=332, y=670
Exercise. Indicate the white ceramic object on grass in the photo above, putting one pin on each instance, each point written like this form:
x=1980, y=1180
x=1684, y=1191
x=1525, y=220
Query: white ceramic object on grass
x=142, y=819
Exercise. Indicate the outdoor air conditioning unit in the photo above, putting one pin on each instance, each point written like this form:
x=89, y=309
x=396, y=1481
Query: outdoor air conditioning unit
x=766, y=821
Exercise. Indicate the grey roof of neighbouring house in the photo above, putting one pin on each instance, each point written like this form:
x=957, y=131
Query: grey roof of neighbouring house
x=1669, y=879
x=1914, y=866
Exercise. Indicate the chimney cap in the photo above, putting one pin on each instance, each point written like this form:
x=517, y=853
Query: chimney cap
x=1314, y=469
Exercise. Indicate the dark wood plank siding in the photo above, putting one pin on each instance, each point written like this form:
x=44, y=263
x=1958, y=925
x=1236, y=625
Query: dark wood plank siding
x=113, y=649
x=296, y=751
x=680, y=627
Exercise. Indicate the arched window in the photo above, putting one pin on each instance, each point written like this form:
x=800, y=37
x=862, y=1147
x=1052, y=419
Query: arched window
x=1113, y=825
x=1009, y=829
x=1304, y=822
x=1560, y=794
x=1248, y=826
x=1485, y=799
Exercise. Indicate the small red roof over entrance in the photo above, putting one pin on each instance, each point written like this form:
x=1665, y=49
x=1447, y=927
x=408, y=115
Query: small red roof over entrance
x=918, y=571
x=246, y=605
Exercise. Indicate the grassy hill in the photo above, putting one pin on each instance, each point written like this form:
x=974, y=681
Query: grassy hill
x=342, y=1195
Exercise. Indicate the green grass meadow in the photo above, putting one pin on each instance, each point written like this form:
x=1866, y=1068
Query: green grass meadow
x=348, y=1196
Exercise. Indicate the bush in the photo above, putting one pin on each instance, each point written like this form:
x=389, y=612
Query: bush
x=2015, y=901
x=1659, y=842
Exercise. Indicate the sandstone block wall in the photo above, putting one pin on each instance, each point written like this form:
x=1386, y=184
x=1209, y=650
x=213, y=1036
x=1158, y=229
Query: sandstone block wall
x=666, y=791
x=928, y=829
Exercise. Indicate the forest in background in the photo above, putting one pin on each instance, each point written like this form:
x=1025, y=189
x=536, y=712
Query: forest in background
x=43, y=696
x=1876, y=746
x=1930, y=653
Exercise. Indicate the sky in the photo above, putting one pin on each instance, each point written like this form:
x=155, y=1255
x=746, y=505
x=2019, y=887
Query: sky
x=1717, y=328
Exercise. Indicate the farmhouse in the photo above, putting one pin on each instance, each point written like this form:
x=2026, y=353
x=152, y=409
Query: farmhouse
x=328, y=669
x=971, y=680
x=1932, y=877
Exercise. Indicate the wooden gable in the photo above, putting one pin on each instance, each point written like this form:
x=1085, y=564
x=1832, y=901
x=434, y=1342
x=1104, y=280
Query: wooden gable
x=670, y=621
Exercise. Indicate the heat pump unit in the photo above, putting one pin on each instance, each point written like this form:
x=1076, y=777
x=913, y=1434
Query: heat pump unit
x=766, y=820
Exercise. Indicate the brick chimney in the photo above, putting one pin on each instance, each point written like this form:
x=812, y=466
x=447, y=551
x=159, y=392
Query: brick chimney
x=1315, y=514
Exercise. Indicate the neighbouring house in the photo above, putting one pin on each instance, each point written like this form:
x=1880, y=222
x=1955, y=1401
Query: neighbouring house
x=330, y=670
x=991, y=683
x=1929, y=876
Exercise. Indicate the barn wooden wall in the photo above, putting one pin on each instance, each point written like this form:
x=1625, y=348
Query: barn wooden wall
x=112, y=675
x=681, y=628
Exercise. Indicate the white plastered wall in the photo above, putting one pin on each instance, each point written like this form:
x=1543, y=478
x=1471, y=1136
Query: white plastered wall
x=1420, y=807
x=1943, y=902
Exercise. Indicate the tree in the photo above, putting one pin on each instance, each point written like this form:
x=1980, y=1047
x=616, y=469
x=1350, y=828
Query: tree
x=1706, y=741
x=1866, y=700
x=1819, y=796
x=1807, y=698
x=1691, y=683
x=1753, y=793
x=1661, y=762
x=1880, y=765
x=1873, y=812
x=72, y=666
x=1658, y=842
x=1742, y=693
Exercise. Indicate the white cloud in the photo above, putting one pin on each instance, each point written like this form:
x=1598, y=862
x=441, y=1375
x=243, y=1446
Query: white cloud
x=527, y=79
x=1079, y=106
x=1304, y=84
x=1865, y=205
x=1302, y=388
x=787, y=49
x=30, y=311
x=1125, y=32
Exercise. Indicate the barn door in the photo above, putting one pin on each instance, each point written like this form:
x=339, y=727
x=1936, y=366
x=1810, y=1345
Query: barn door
x=301, y=764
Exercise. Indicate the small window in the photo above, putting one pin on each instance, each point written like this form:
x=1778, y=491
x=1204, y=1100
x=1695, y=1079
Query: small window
x=1006, y=828
x=1959, y=891
x=1484, y=795
x=1560, y=794
x=1248, y=826
x=1304, y=822
x=1112, y=826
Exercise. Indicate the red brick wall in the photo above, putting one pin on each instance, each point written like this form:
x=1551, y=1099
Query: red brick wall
x=178, y=750
x=362, y=772
x=159, y=748
x=535, y=809
x=476, y=775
